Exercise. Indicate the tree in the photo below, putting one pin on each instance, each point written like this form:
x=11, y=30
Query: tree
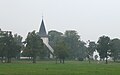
x=33, y=45
x=81, y=52
x=19, y=44
x=8, y=45
x=2, y=43
x=77, y=48
x=61, y=52
x=72, y=41
x=91, y=49
x=103, y=47
x=115, y=48
x=55, y=37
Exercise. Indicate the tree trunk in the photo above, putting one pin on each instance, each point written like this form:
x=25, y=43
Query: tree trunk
x=89, y=60
x=34, y=59
x=9, y=60
x=106, y=57
x=103, y=59
x=106, y=61
x=114, y=60
x=63, y=61
x=60, y=61
x=2, y=59
x=56, y=60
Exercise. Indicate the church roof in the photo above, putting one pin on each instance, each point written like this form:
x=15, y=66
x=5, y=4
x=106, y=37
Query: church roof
x=42, y=30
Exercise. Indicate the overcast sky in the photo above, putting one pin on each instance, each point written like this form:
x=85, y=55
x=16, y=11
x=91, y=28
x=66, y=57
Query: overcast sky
x=90, y=18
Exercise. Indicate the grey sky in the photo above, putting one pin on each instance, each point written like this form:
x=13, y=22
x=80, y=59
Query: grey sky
x=90, y=18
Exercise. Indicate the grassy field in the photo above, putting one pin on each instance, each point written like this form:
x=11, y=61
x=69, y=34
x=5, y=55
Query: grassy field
x=50, y=68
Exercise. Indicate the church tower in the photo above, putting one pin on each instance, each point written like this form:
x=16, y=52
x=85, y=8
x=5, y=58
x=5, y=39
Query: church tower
x=44, y=37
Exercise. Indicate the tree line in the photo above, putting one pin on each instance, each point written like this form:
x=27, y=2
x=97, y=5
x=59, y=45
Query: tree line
x=66, y=45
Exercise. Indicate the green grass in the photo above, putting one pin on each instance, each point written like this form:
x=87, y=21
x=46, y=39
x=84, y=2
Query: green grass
x=50, y=68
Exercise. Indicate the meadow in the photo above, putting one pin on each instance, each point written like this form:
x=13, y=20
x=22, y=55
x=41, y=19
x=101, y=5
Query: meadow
x=51, y=68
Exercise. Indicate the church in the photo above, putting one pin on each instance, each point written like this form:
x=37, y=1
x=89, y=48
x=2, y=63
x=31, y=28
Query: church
x=44, y=36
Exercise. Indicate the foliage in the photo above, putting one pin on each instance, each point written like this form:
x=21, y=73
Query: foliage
x=76, y=47
x=9, y=47
x=33, y=45
x=103, y=47
x=44, y=52
x=61, y=51
x=81, y=52
x=55, y=37
x=72, y=41
x=115, y=49
x=91, y=48
x=18, y=40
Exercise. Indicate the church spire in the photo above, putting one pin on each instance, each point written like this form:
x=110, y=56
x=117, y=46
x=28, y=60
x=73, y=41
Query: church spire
x=42, y=30
x=42, y=33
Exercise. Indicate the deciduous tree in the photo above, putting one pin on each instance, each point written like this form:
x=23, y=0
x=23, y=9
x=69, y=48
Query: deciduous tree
x=72, y=41
x=103, y=47
x=61, y=51
x=115, y=49
x=33, y=45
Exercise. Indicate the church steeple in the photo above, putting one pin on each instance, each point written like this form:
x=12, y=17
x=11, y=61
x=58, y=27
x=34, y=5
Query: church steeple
x=42, y=30
x=42, y=33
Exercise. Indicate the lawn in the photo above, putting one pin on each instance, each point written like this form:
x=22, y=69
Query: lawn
x=50, y=68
